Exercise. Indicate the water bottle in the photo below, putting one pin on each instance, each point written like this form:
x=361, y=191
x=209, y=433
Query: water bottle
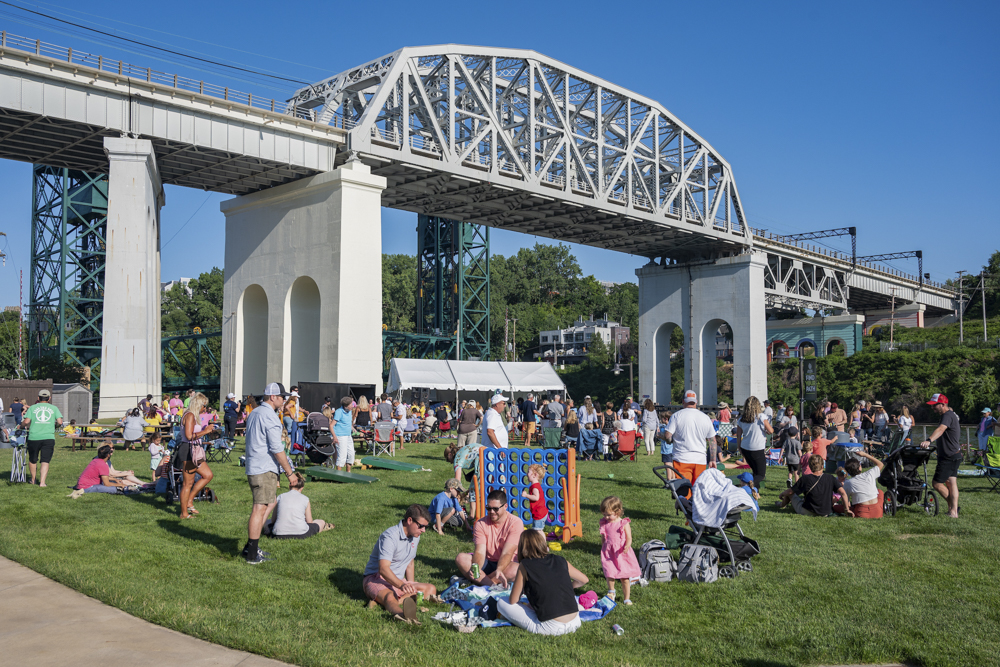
x=617, y=629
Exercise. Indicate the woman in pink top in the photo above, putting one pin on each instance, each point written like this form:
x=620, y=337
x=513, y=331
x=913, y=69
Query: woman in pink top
x=175, y=404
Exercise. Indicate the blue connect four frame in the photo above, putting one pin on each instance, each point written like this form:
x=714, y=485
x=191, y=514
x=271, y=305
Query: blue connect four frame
x=507, y=469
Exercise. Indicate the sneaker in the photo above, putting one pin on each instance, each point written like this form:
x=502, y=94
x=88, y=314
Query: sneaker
x=788, y=483
x=257, y=559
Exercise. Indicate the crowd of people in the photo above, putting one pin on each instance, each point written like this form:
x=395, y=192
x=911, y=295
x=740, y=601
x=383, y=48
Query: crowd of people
x=505, y=551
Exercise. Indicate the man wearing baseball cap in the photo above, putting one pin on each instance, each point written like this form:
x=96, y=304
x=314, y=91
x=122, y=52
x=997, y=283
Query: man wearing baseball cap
x=949, y=454
x=446, y=510
x=691, y=430
x=264, y=453
x=493, y=426
x=42, y=418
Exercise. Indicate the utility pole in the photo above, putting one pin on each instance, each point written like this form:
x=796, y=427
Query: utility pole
x=20, y=328
x=506, y=343
x=513, y=353
x=892, y=319
x=982, y=294
x=961, y=311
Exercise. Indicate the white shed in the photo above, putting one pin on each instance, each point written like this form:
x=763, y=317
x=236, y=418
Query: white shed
x=74, y=402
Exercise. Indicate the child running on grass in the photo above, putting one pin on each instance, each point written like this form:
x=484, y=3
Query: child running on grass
x=617, y=556
x=536, y=496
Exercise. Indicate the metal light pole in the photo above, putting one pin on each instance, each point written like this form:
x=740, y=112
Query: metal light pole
x=961, y=310
x=892, y=319
x=982, y=294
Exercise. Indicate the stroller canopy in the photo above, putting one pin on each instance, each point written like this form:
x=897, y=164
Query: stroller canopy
x=444, y=374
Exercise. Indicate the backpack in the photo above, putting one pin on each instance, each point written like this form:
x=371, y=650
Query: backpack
x=698, y=564
x=655, y=562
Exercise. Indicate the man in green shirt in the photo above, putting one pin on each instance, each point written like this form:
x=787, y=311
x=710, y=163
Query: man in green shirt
x=41, y=419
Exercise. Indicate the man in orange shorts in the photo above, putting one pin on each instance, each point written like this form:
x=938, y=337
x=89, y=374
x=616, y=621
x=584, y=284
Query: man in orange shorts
x=389, y=576
x=693, y=436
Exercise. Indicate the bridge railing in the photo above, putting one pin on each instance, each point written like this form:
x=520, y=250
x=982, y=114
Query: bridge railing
x=121, y=68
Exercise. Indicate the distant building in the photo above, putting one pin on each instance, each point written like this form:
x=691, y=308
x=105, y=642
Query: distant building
x=607, y=285
x=12, y=309
x=167, y=286
x=571, y=345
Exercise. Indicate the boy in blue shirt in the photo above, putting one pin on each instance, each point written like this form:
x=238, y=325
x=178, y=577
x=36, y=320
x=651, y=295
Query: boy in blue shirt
x=446, y=510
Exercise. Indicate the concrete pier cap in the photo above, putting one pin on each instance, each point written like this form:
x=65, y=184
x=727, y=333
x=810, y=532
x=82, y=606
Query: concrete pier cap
x=303, y=286
x=698, y=297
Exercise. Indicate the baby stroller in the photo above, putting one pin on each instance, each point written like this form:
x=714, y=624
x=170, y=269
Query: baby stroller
x=425, y=433
x=319, y=446
x=733, y=548
x=902, y=482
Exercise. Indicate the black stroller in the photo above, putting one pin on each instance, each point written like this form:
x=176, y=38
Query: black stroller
x=319, y=441
x=733, y=546
x=901, y=478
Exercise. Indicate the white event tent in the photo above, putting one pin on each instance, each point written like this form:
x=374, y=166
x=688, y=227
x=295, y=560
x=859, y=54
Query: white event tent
x=469, y=376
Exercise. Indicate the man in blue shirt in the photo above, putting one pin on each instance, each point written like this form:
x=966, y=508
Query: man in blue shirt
x=343, y=423
x=446, y=510
x=264, y=453
x=529, y=410
x=230, y=411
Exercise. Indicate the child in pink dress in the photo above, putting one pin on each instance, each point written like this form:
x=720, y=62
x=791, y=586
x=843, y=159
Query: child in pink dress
x=617, y=556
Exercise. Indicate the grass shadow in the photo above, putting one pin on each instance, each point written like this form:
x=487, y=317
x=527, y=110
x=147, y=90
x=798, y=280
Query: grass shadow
x=155, y=500
x=226, y=546
x=348, y=582
x=441, y=568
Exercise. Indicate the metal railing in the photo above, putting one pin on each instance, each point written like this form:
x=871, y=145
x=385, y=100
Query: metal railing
x=152, y=76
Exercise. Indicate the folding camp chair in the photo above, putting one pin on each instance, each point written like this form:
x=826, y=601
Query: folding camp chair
x=991, y=463
x=218, y=451
x=384, y=441
x=626, y=444
x=774, y=457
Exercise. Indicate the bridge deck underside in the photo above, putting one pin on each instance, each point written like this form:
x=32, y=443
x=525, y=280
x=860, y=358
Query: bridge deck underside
x=45, y=140
x=502, y=206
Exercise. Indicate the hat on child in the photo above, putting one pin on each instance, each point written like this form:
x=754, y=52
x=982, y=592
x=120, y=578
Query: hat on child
x=745, y=477
x=453, y=484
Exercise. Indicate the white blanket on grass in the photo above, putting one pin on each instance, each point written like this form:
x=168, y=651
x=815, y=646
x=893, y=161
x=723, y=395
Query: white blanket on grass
x=714, y=497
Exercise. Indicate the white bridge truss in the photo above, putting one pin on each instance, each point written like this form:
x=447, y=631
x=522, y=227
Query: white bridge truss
x=513, y=139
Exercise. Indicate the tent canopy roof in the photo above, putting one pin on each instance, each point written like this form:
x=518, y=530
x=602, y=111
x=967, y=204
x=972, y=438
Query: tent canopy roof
x=445, y=374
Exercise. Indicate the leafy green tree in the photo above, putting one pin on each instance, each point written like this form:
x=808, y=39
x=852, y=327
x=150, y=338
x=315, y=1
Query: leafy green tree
x=181, y=312
x=399, y=292
x=9, y=324
x=51, y=367
x=599, y=354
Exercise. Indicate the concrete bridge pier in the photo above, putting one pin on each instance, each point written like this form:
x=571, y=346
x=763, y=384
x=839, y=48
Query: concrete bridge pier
x=130, y=358
x=303, y=286
x=699, y=297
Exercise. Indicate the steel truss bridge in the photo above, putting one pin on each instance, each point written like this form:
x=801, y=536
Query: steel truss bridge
x=506, y=138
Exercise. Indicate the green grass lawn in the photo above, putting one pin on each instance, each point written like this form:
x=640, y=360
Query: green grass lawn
x=915, y=589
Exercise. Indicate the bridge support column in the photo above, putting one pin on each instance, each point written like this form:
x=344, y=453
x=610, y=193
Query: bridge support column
x=303, y=290
x=698, y=298
x=130, y=358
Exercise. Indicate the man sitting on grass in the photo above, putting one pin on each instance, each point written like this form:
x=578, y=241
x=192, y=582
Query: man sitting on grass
x=389, y=575
x=812, y=495
x=446, y=510
x=96, y=477
x=495, y=537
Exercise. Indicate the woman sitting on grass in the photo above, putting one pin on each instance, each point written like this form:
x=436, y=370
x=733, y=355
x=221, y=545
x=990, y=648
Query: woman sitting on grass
x=292, y=517
x=548, y=582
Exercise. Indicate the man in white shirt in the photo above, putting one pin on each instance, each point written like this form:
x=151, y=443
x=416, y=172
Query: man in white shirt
x=865, y=498
x=768, y=411
x=693, y=436
x=495, y=433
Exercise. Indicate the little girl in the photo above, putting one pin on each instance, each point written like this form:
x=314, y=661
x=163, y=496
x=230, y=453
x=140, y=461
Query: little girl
x=536, y=496
x=617, y=556
x=155, y=452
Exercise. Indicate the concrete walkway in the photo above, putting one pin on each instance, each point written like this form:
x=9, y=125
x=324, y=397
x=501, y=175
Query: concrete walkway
x=43, y=623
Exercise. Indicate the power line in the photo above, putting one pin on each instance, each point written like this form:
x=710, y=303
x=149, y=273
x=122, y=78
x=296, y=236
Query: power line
x=151, y=46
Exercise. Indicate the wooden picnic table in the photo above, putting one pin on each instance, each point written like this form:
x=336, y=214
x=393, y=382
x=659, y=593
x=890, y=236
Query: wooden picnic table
x=90, y=438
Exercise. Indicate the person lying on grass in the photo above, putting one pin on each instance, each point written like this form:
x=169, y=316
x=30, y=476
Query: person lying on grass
x=447, y=510
x=495, y=537
x=96, y=477
x=389, y=576
x=292, y=516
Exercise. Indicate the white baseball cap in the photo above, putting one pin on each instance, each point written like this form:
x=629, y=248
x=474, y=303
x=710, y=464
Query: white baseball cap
x=497, y=398
x=275, y=389
x=295, y=394
x=230, y=395
x=690, y=397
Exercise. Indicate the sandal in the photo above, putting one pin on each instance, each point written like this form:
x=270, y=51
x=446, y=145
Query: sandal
x=410, y=610
x=193, y=510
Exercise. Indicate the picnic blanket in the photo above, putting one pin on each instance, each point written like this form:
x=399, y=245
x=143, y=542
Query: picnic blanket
x=476, y=595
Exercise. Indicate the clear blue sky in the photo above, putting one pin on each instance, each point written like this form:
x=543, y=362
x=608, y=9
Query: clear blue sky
x=878, y=115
